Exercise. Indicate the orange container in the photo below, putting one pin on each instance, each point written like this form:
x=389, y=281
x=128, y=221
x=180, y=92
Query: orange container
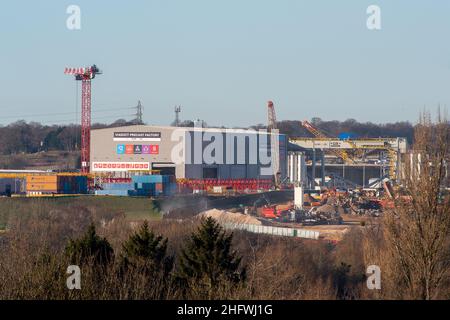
x=42, y=179
x=47, y=183
x=54, y=184
x=44, y=186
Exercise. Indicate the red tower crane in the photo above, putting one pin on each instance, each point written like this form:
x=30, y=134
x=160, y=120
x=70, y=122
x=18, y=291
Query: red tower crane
x=272, y=125
x=85, y=75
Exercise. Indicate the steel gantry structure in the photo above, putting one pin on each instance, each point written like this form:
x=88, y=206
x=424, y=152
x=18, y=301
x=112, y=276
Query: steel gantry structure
x=341, y=153
x=393, y=146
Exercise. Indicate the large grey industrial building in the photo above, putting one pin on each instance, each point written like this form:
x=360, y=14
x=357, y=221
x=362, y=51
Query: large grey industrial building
x=192, y=153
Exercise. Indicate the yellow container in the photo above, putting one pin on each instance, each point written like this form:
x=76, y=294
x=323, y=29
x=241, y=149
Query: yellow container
x=42, y=179
x=42, y=187
x=42, y=183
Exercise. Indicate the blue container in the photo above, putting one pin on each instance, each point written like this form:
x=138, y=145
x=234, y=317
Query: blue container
x=122, y=193
x=148, y=186
x=118, y=186
x=140, y=193
x=81, y=184
x=169, y=189
x=147, y=179
x=141, y=186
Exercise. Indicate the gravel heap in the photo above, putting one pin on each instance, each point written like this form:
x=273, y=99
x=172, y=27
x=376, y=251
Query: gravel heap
x=223, y=216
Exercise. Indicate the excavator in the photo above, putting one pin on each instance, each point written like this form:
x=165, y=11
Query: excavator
x=269, y=210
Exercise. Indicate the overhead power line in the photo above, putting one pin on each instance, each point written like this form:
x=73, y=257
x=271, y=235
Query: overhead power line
x=94, y=119
x=60, y=113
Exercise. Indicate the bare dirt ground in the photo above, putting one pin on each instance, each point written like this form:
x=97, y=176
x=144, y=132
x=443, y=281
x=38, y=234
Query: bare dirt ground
x=331, y=232
x=353, y=219
x=230, y=217
x=327, y=232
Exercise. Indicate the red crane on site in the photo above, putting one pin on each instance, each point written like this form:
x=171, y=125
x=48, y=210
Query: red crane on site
x=272, y=126
x=85, y=75
x=271, y=117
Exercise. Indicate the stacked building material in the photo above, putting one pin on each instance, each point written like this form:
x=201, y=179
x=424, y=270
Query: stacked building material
x=155, y=185
x=72, y=184
x=238, y=185
x=115, y=189
x=142, y=186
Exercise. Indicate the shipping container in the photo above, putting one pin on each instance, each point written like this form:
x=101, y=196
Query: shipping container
x=9, y=186
x=42, y=178
x=57, y=184
x=118, y=186
x=142, y=186
x=122, y=193
x=148, y=179
x=43, y=186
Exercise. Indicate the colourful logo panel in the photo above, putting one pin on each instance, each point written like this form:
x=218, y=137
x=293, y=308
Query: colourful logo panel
x=120, y=149
x=129, y=149
x=154, y=149
x=146, y=149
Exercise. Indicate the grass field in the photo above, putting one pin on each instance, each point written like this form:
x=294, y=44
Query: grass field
x=61, y=160
x=133, y=208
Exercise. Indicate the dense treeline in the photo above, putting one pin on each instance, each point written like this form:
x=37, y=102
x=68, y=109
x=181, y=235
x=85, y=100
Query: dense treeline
x=196, y=259
x=359, y=129
x=31, y=137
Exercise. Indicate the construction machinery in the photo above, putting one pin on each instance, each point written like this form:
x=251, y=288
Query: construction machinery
x=271, y=126
x=392, y=146
x=319, y=134
x=271, y=117
x=85, y=75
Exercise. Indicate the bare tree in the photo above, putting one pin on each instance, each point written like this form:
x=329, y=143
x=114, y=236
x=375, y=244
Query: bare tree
x=416, y=231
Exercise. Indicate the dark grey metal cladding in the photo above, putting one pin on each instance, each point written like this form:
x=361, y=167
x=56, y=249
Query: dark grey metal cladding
x=240, y=158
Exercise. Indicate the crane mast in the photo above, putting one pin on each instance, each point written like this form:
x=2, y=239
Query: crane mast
x=275, y=152
x=85, y=75
x=271, y=118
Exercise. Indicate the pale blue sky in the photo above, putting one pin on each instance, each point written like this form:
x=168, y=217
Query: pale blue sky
x=222, y=60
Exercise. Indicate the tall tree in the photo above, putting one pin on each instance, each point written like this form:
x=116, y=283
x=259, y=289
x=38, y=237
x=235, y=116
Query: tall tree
x=207, y=261
x=144, y=264
x=417, y=230
x=144, y=249
x=90, y=248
